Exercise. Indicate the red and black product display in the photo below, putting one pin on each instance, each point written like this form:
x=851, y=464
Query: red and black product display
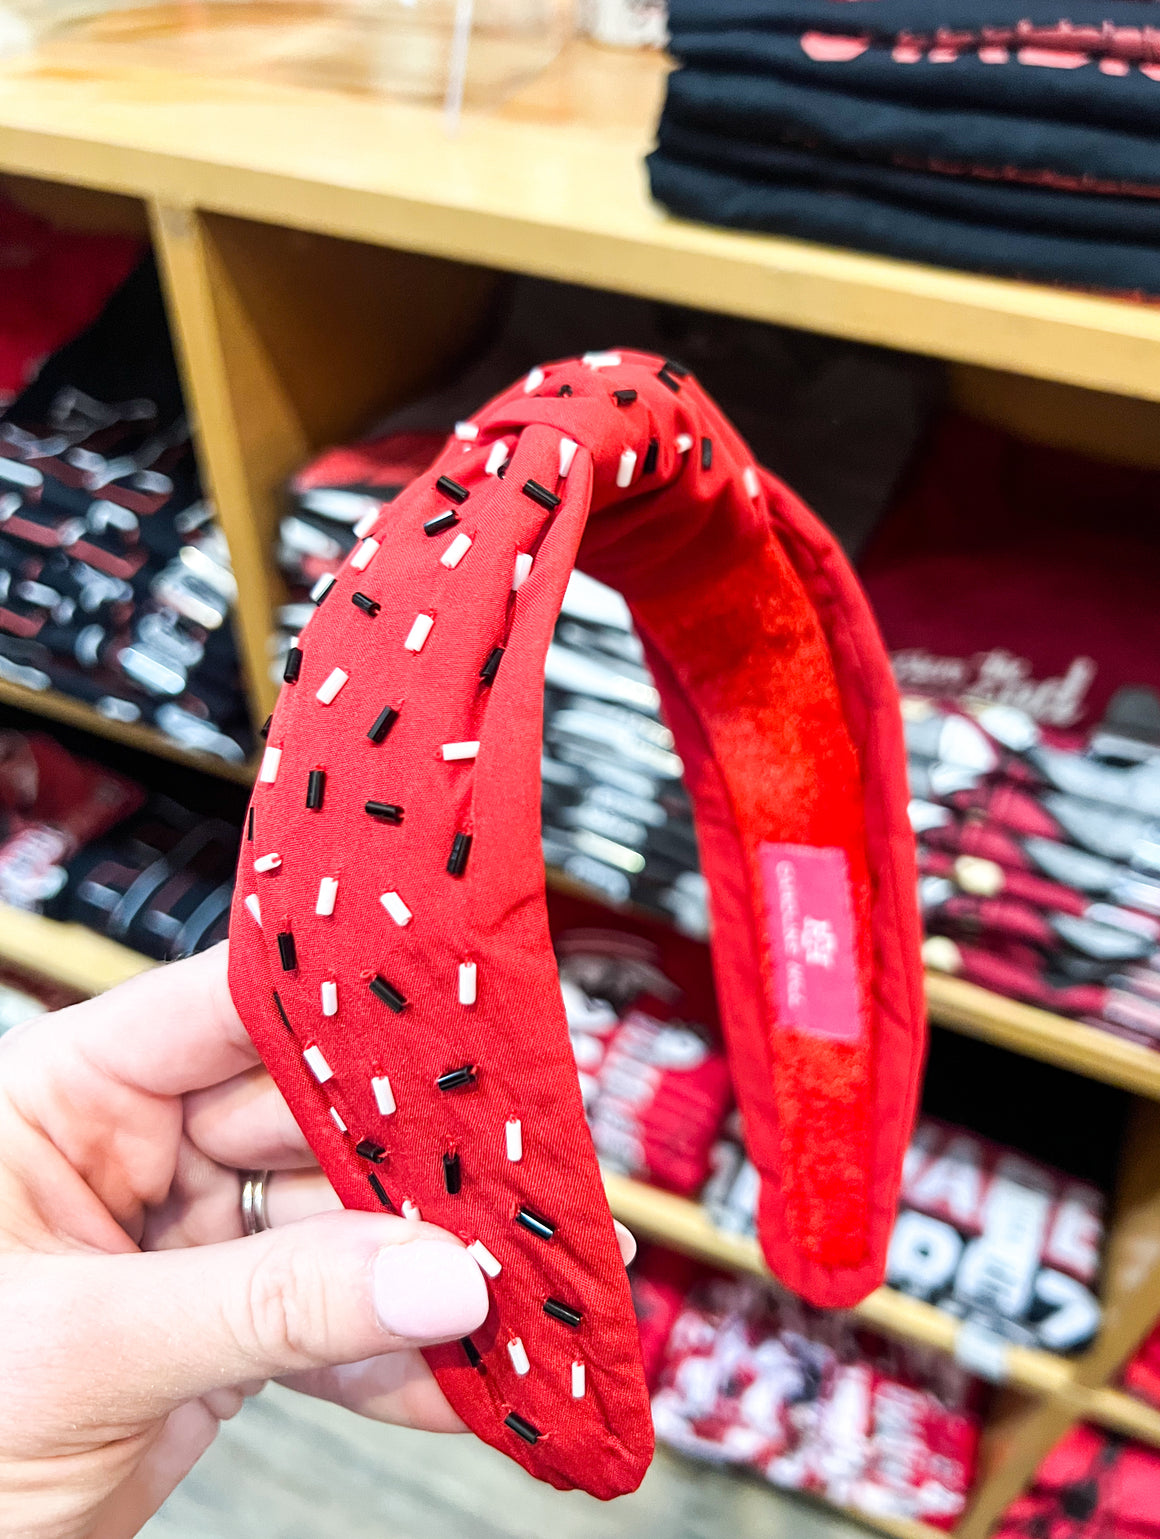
x=1032, y=719
x=810, y=1401
x=1013, y=139
x=115, y=583
x=1092, y=1485
x=408, y=1045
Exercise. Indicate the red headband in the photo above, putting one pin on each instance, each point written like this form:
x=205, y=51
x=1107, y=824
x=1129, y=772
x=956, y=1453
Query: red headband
x=400, y=982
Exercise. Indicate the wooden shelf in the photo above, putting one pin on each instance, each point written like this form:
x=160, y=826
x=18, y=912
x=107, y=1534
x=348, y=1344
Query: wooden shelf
x=1120, y=1412
x=550, y=184
x=976, y=1012
x=67, y=954
x=685, y=1226
x=75, y=713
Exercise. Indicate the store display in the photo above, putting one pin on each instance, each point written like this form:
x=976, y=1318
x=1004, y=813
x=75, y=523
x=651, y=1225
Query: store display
x=815, y=1404
x=115, y=583
x=795, y=764
x=55, y=283
x=1032, y=710
x=964, y=132
x=1092, y=1485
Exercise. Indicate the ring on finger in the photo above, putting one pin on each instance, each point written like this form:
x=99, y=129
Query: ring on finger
x=255, y=1189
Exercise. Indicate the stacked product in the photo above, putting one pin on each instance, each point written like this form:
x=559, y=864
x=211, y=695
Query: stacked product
x=1142, y=1374
x=972, y=133
x=1000, y=1241
x=1091, y=1486
x=816, y=1405
x=655, y=1084
x=115, y=584
x=1034, y=724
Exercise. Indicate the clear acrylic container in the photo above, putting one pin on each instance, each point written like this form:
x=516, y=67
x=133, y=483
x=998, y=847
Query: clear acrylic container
x=477, y=51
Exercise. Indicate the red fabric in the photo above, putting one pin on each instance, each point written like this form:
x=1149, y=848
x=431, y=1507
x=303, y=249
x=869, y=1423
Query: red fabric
x=778, y=692
x=1090, y=1486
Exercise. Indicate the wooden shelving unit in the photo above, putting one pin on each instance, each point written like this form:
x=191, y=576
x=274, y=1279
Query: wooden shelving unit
x=326, y=256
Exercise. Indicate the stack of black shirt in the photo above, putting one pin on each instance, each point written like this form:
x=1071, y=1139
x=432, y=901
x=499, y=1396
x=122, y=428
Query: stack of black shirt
x=1013, y=139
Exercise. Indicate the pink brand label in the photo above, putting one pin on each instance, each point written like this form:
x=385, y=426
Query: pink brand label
x=810, y=925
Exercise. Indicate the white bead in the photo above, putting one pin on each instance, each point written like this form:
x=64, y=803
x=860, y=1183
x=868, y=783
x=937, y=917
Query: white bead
x=327, y=892
x=364, y=555
x=578, y=1381
x=514, y=1138
x=329, y=992
x=270, y=762
x=624, y=471
x=468, y=431
x=338, y=1122
x=254, y=908
x=333, y=683
x=317, y=1064
x=519, y=1356
x=484, y=1258
x=366, y=523
x=534, y=380
x=468, y=982
x=397, y=909
x=750, y=482
x=497, y=458
x=523, y=570
x=383, y=1094
x=322, y=587
x=269, y=862
x=460, y=751
x=411, y=1211
x=684, y=442
x=456, y=551
x=601, y=360
x=419, y=632
x=568, y=449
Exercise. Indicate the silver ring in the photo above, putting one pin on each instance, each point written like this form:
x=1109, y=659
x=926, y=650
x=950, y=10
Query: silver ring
x=255, y=1187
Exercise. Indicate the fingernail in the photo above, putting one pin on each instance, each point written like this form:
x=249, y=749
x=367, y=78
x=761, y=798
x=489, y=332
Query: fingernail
x=428, y=1290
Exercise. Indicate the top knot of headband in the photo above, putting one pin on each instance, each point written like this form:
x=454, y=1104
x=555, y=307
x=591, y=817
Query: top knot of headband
x=390, y=951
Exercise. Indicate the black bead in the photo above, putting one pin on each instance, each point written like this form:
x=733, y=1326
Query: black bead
x=318, y=602
x=386, y=812
x=541, y=494
x=452, y=1174
x=383, y=723
x=282, y=1012
x=650, y=458
x=562, y=1312
x=457, y=1079
x=293, y=665
x=388, y=993
x=369, y=1150
x=250, y=826
x=564, y=390
x=264, y=730
x=491, y=667
x=471, y=1353
x=460, y=850
x=315, y=789
x=522, y=1428
x=706, y=454
x=534, y=1224
x=380, y=1191
x=667, y=379
x=671, y=366
x=369, y=606
x=442, y=521
x=287, y=951
x=624, y=397
x=452, y=489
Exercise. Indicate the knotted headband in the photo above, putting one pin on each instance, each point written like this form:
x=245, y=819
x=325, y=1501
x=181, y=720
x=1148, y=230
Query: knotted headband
x=390, y=949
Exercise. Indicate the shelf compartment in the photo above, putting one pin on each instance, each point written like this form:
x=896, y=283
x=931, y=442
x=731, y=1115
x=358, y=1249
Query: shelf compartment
x=68, y=954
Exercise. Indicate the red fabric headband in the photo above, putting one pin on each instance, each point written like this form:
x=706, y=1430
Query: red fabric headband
x=390, y=951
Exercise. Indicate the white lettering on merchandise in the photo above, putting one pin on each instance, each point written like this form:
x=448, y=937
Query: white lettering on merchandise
x=1002, y=678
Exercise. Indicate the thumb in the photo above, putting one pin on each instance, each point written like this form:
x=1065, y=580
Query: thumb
x=131, y=1337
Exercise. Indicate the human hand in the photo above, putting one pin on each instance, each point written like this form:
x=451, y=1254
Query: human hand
x=134, y=1317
